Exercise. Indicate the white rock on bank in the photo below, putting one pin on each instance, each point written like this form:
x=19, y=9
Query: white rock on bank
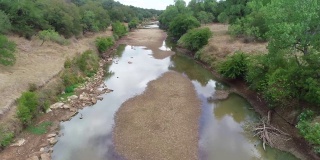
x=51, y=135
x=52, y=141
x=57, y=105
x=45, y=156
x=19, y=143
x=73, y=97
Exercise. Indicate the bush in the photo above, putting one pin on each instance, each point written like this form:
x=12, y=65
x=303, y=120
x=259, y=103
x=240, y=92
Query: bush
x=104, y=43
x=88, y=63
x=71, y=77
x=308, y=129
x=119, y=29
x=7, y=48
x=27, y=107
x=51, y=35
x=133, y=24
x=6, y=137
x=195, y=39
x=234, y=66
x=181, y=24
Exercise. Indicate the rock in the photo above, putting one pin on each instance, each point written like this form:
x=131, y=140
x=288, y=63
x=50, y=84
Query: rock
x=73, y=110
x=57, y=105
x=73, y=97
x=94, y=100
x=100, y=98
x=130, y=62
x=109, y=59
x=33, y=158
x=19, y=143
x=41, y=149
x=52, y=141
x=51, y=135
x=48, y=110
x=107, y=90
x=66, y=106
x=83, y=97
x=45, y=156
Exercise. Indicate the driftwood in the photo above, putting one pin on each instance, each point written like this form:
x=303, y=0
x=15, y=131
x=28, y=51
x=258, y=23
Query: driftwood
x=265, y=131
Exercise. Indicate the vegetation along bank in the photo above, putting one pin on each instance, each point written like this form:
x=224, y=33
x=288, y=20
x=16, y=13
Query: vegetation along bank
x=52, y=58
x=284, y=76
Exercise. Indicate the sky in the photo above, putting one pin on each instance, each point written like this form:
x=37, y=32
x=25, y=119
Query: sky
x=150, y=4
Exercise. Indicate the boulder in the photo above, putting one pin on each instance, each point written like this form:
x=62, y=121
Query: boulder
x=52, y=141
x=73, y=97
x=57, y=105
x=19, y=143
x=45, y=156
x=51, y=135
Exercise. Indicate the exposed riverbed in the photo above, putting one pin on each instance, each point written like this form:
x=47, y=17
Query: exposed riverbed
x=222, y=134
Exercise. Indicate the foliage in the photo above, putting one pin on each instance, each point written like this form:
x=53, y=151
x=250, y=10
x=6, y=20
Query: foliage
x=181, y=24
x=205, y=17
x=88, y=63
x=104, y=43
x=195, y=39
x=6, y=137
x=7, y=49
x=51, y=35
x=5, y=23
x=308, y=129
x=234, y=66
x=133, y=24
x=119, y=29
x=27, y=107
x=40, y=129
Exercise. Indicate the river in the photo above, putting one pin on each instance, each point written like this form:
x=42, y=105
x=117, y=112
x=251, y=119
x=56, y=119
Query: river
x=222, y=123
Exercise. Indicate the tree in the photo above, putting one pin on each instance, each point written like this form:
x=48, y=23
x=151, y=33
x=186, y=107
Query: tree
x=7, y=49
x=181, y=24
x=205, y=17
x=195, y=39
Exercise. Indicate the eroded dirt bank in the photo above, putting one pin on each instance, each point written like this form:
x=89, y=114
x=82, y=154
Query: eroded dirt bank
x=162, y=123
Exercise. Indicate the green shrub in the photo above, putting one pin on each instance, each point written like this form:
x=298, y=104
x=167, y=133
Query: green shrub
x=88, y=62
x=133, y=24
x=119, y=29
x=27, y=107
x=51, y=35
x=6, y=137
x=104, y=43
x=308, y=129
x=234, y=66
x=70, y=89
x=71, y=77
x=257, y=71
x=195, y=39
x=181, y=24
x=7, y=49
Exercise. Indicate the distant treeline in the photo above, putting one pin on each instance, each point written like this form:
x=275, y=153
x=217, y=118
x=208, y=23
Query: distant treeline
x=67, y=17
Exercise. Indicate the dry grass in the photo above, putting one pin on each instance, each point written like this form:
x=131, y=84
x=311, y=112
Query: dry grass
x=37, y=64
x=222, y=44
x=162, y=123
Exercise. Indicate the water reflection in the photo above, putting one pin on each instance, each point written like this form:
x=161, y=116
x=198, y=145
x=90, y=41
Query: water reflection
x=222, y=136
x=90, y=137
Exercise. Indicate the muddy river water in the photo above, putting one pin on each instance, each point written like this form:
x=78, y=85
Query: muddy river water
x=222, y=124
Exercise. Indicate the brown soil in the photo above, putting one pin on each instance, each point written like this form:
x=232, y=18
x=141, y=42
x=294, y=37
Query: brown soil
x=162, y=123
x=151, y=38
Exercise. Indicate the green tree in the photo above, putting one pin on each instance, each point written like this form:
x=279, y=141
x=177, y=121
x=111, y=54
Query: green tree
x=27, y=107
x=7, y=49
x=195, y=39
x=181, y=24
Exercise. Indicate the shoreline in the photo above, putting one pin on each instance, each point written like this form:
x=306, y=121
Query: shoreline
x=296, y=146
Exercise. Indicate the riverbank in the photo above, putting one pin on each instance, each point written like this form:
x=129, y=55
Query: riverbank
x=222, y=45
x=32, y=145
x=162, y=123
